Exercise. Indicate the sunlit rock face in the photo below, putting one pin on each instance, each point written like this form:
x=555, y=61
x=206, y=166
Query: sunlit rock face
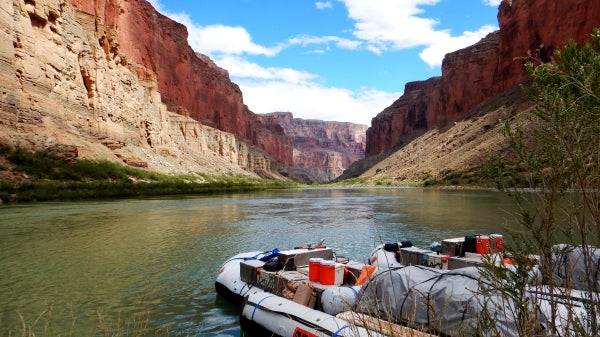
x=71, y=79
x=189, y=83
x=322, y=149
x=474, y=74
x=414, y=112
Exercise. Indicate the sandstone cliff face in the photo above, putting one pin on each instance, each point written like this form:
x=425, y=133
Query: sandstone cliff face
x=540, y=26
x=476, y=73
x=414, y=112
x=189, y=83
x=65, y=81
x=323, y=150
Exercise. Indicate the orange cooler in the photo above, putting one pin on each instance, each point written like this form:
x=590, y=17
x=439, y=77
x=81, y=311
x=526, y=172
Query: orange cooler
x=314, y=266
x=482, y=244
x=327, y=272
x=496, y=242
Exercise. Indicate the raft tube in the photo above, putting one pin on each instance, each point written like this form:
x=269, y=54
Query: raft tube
x=265, y=314
x=229, y=283
x=384, y=256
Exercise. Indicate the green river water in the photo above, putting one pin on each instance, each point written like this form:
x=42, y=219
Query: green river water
x=96, y=267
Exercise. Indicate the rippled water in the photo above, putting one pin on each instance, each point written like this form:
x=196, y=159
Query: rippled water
x=84, y=268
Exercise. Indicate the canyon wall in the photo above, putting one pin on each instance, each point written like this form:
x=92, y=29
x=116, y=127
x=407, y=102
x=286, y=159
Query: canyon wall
x=65, y=82
x=190, y=84
x=322, y=149
x=476, y=73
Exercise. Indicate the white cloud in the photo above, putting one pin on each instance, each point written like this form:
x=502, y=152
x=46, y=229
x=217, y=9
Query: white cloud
x=323, y=4
x=493, y=3
x=228, y=40
x=221, y=39
x=240, y=68
x=392, y=24
x=309, y=100
x=342, y=43
x=270, y=89
x=434, y=53
x=380, y=26
x=385, y=25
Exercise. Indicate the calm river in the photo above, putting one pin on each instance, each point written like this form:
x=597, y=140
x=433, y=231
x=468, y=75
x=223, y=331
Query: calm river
x=90, y=268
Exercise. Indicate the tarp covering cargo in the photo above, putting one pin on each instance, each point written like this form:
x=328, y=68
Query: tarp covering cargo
x=577, y=267
x=445, y=301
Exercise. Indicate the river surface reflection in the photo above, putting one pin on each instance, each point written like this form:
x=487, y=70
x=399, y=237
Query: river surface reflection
x=85, y=268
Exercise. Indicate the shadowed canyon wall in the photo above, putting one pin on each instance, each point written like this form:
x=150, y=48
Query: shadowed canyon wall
x=476, y=73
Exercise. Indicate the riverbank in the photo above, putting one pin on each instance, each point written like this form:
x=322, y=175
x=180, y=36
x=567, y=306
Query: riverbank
x=479, y=178
x=40, y=176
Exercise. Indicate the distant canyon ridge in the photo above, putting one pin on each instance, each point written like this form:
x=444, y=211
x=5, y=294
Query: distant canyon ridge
x=116, y=80
x=322, y=150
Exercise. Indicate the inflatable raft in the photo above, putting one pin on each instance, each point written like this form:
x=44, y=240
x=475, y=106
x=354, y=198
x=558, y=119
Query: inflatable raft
x=401, y=290
x=289, y=299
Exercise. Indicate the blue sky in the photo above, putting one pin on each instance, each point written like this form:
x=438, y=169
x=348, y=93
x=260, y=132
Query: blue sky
x=337, y=60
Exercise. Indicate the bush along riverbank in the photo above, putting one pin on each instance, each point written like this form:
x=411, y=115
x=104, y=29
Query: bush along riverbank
x=41, y=176
x=556, y=246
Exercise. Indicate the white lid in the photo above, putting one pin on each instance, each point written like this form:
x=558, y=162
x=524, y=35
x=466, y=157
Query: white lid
x=328, y=262
x=315, y=259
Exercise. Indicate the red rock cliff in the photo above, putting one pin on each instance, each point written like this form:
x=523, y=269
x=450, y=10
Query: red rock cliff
x=68, y=89
x=476, y=73
x=189, y=83
x=407, y=117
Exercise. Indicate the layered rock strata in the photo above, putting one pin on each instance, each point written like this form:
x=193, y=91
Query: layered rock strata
x=66, y=82
x=190, y=84
x=528, y=28
x=322, y=149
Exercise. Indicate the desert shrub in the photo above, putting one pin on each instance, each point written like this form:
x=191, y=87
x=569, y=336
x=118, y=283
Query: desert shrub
x=556, y=158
